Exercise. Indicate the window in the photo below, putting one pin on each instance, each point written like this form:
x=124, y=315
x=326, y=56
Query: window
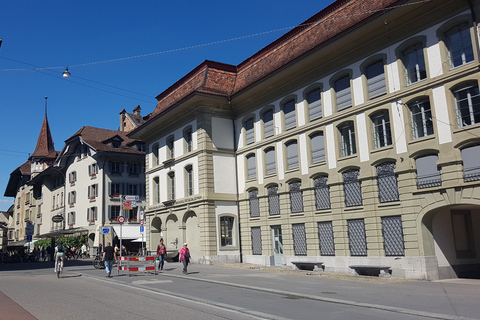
x=290, y=116
x=318, y=147
x=71, y=218
x=422, y=124
x=116, y=167
x=114, y=189
x=72, y=176
x=226, y=229
x=343, y=93
x=187, y=136
x=249, y=131
x=292, y=155
x=352, y=188
x=471, y=167
x=273, y=200
x=133, y=169
x=375, y=75
x=113, y=213
x=171, y=185
x=271, y=166
x=156, y=190
x=392, y=231
x=268, y=126
x=314, y=104
x=141, y=147
x=189, y=180
x=170, y=147
x=93, y=191
x=254, y=203
x=116, y=144
x=92, y=214
x=93, y=170
x=251, y=166
x=347, y=139
x=322, y=193
x=131, y=214
x=428, y=174
x=155, y=160
x=72, y=195
x=299, y=239
x=132, y=189
x=459, y=43
x=256, y=240
x=414, y=64
x=382, y=135
x=296, y=196
x=387, y=183
x=325, y=237
x=357, y=238
x=467, y=103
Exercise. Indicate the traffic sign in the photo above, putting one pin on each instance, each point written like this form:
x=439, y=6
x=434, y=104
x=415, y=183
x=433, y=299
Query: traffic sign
x=141, y=222
x=105, y=230
x=131, y=198
x=121, y=219
x=127, y=205
x=142, y=229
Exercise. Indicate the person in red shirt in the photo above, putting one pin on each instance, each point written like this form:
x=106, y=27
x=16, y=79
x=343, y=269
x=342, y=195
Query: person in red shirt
x=161, y=251
x=185, y=257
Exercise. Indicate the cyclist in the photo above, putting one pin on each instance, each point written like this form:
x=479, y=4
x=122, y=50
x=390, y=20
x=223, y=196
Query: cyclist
x=59, y=255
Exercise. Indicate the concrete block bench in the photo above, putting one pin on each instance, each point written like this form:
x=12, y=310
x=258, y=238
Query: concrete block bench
x=370, y=270
x=307, y=265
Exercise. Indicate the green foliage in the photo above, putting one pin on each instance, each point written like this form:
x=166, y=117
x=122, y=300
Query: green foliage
x=70, y=241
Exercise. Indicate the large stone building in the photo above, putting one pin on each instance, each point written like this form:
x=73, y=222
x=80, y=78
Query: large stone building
x=350, y=140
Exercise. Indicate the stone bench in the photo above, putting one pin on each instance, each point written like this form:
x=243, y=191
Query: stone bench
x=307, y=265
x=370, y=270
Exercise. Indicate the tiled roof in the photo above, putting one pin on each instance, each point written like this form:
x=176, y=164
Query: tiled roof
x=44, y=146
x=225, y=80
x=98, y=137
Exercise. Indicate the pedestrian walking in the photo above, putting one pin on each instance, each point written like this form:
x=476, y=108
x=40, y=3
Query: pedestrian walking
x=161, y=251
x=109, y=256
x=185, y=257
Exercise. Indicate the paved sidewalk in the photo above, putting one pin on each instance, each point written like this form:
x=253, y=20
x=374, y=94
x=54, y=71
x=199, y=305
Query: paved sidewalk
x=10, y=310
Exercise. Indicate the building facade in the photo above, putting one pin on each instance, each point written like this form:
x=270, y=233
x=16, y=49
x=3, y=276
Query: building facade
x=350, y=140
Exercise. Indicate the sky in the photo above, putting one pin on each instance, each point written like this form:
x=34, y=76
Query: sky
x=120, y=54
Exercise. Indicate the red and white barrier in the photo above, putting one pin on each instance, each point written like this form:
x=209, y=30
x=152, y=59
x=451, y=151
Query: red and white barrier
x=147, y=264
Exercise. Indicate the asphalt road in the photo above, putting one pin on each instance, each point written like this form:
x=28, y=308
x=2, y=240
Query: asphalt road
x=221, y=293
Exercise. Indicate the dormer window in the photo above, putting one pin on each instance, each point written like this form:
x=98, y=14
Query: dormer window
x=116, y=144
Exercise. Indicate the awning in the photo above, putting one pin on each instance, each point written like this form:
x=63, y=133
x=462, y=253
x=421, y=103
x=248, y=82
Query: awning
x=140, y=240
x=128, y=232
x=20, y=243
x=71, y=231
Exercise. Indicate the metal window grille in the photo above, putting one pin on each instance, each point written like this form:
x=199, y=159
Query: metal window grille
x=352, y=188
x=254, y=204
x=273, y=200
x=296, y=197
x=357, y=237
x=387, y=183
x=299, y=239
x=322, y=193
x=325, y=237
x=393, y=236
x=256, y=241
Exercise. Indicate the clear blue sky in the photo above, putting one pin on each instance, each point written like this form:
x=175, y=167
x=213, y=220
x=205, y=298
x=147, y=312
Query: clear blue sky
x=41, y=38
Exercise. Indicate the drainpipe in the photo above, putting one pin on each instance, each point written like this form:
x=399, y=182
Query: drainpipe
x=236, y=178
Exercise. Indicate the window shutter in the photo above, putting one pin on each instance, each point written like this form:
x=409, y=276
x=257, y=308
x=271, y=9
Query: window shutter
x=318, y=148
x=252, y=169
x=344, y=95
x=290, y=119
x=110, y=193
x=314, y=104
x=292, y=155
x=88, y=214
x=109, y=212
x=270, y=161
x=376, y=80
x=249, y=125
x=89, y=192
x=268, y=123
x=428, y=174
x=471, y=168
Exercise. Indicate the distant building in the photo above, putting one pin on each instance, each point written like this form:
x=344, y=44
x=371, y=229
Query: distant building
x=350, y=140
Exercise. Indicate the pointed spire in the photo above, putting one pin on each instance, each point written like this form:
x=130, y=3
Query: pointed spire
x=45, y=142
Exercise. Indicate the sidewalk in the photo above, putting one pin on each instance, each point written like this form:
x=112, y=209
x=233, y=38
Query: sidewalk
x=10, y=310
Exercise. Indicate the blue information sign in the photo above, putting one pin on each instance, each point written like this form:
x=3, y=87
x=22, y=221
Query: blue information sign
x=142, y=228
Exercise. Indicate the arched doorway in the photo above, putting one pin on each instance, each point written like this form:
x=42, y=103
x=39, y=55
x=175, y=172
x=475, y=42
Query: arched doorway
x=171, y=236
x=192, y=233
x=155, y=233
x=452, y=235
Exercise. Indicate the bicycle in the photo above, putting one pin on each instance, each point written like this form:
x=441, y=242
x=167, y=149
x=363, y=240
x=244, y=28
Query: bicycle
x=98, y=262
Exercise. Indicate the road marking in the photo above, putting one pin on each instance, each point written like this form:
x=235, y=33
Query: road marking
x=140, y=282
